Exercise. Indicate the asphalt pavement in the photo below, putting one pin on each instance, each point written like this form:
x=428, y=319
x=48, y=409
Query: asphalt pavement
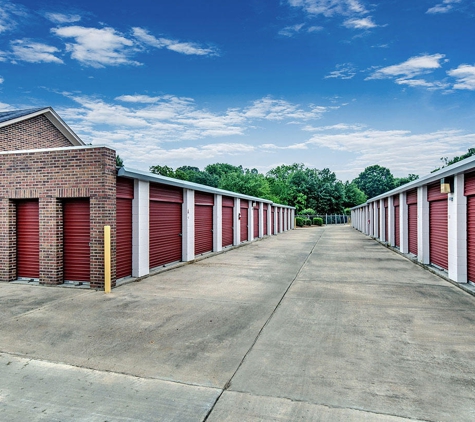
x=316, y=324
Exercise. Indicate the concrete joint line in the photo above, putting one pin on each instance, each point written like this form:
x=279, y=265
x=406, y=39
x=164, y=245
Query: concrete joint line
x=105, y=371
x=48, y=305
x=329, y=406
x=228, y=384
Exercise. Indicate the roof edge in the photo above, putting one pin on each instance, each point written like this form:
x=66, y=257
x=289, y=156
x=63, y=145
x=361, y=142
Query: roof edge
x=150, y=177
x=55, y=120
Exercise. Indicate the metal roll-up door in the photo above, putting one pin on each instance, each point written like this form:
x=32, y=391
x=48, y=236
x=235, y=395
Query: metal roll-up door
x=124, y=198
x=228, y=232
x=203, y=222
x=265, y=220
x=386, y=220
x=471, y=237
x=244, y=221
x=279, y=213
x=256, y=221
x=379, y=221
x=76, y=238
x=411, y=201
x=397, y=240
x=470, y=193
x=28, y=239
x=165, y=225
x=438, y=227
x=272, y=224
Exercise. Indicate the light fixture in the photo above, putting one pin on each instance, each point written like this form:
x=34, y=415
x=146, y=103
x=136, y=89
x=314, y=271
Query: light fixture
x=447, y=185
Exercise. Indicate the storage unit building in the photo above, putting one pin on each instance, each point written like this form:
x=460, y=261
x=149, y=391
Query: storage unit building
x=53, y=216
x=433, y=219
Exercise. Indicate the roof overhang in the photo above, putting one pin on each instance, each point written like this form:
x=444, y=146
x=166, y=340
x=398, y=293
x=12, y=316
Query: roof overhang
x=155, y=178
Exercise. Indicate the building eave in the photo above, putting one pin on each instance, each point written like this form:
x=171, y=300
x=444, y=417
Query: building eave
x=155, y=178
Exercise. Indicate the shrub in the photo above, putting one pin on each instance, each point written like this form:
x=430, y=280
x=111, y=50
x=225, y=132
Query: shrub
x=299, y=221
x=307, y=211
x=308, y=222
x=318, y=221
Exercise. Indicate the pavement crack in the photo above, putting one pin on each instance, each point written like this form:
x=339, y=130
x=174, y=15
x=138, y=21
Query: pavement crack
x=229, y=382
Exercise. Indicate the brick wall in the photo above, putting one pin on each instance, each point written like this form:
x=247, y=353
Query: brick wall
x=51, y=176
x=35, y=133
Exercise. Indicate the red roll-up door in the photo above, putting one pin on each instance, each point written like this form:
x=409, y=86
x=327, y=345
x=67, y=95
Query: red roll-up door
x=279, y=213
x=470, y=193
x=228, y=207
x=386, y=221
x=165, y=224
x=256, y=221
x=411, y=201
x=244, y=220
x=203, y=222
x=438, y=227
x=265, y=220
x=471, y=237
x=125, y=195
x=397, y=234
x=76, y=238
x=397, y=240
x=272, y=224
x=379, y=221
x=28, y=239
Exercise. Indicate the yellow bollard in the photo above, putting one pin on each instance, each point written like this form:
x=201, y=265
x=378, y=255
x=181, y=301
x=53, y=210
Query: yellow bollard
x=107, y=259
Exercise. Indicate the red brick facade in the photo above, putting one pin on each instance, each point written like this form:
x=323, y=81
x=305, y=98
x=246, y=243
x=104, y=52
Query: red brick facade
x=51, y=176
x=35, y=133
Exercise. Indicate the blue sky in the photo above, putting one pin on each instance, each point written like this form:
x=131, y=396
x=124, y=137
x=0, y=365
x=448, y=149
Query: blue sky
x=342, y=84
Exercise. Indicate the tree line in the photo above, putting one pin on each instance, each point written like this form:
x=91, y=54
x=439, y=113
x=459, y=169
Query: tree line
x=295, y=184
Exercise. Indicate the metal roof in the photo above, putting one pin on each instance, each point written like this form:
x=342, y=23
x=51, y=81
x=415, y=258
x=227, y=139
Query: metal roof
x=150, y=177
x=460, y=167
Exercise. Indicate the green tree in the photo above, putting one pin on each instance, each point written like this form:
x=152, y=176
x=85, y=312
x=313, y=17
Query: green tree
x=162, y=170
x=118, y=161
x=195, y=175
x=399, y=181
x=456, y=159
x=353, y=195
x=375, y=180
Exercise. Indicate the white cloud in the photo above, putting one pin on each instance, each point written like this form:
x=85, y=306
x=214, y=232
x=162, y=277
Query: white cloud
x=141, y=126
x=34, y=52
x=409, y=69
x=5, y=107
x=343, y=71
x=9, y=13
x=329, y=7
x=361, y=23
x=97, y=47
x=431, y=86
x=465, y=75
x=144, y=99
x=188, y=48
x=338, y=126
x=270, y=109
x=399, y=150
x=315, y=29
x=1, y=80
x=61, y=18
x=290, y=31
x=444, y=7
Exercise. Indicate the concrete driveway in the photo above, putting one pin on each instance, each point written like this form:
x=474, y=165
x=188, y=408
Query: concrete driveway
x=318, y=324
